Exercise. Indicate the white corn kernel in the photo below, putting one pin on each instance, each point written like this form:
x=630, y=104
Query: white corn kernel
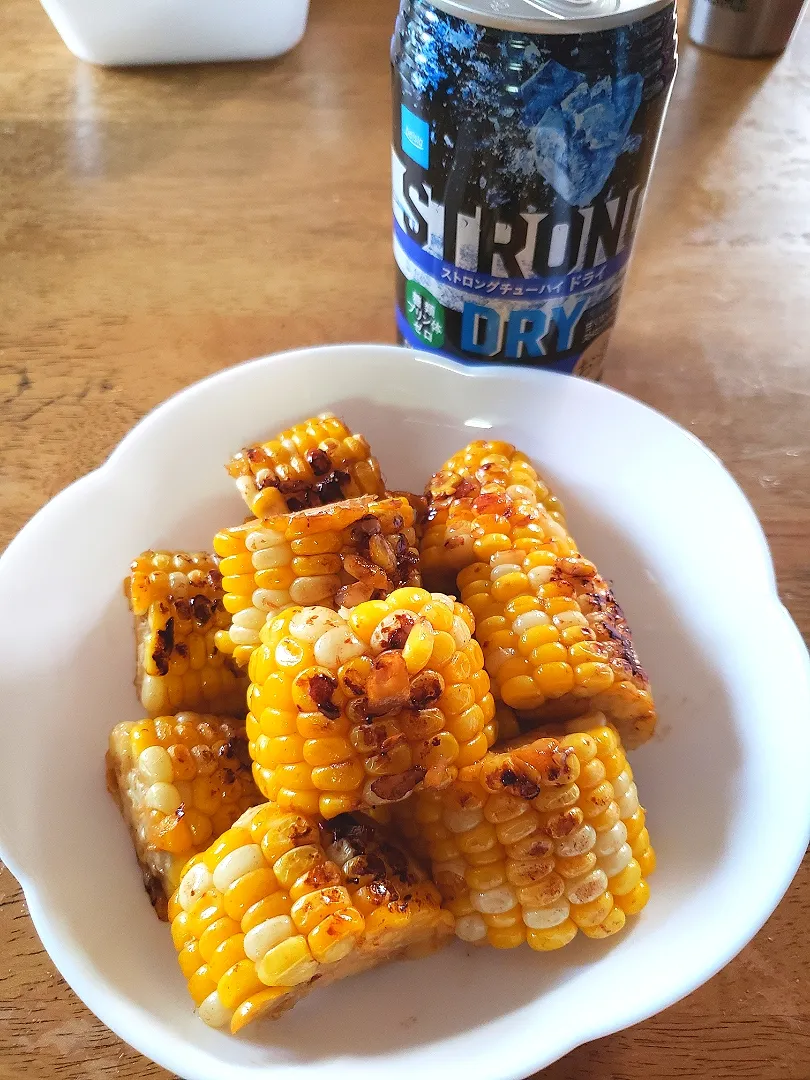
x=443, y=598
x=577, y=842
x=272, y=558
x=586, y=887
x=313, y=590
x=243, y=635
x=312, y=622
x=614, y=863
x=621, y=785
x=529, y=619
x=155, y=766
x=270, y=600
x=502, y=569
x=569, y=618
x=611, y=839
x=337, y=646
x=250, y=619
x=236, y=864
x=521, y=491
x=247, y=487
x=546, y=917
x=212, y=1011
x=163, y=797
x=463, y=819
x=512, y=556
x=628, y=804
x=264, y=540
x=471, y=928
x=496, y=658
x=495, y=901
x=264, y=937
x=540, y=575
x=244, y=820
x=194, y=884
x=461, y=632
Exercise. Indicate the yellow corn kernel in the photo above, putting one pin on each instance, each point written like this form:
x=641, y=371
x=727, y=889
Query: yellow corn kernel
x=483, y=878
x=335, y=936
x=293, y=864
x=228, y=842
x=365, y=617
x=472, y=751
x=332, y=804
x=276, y=904
x=181, y=932
x=208, y=909
x=255, y=1007
x=506, y=937
x=418, y=647
x=594, y=912
x=610, y=925
x=189, y=958
x=633, y=902
x=627, y=880
x=554, y=679
x=200, y=985
x=287, y=964
x=239, y=983
x=343, y=777
x=556, y=937
x=226, y=954
x=312, y=908
x=214, y=935
x=248, y=890
x=647, y=862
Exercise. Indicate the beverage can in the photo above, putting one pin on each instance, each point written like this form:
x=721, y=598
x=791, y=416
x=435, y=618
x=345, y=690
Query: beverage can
x=524, y=132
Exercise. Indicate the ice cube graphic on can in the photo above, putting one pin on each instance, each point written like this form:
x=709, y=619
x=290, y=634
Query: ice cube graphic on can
x=522, y=148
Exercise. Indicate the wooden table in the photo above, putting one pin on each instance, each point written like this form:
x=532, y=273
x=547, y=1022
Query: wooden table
x=159, y=225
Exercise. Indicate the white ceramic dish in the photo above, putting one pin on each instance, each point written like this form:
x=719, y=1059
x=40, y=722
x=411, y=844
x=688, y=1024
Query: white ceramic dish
x=691, y=567
x=129, y=32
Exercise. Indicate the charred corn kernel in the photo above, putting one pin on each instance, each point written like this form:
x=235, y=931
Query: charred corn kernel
x=471, y=500
x=531, y=842
x=178, y=780
x=383, y=701
x=317, y=462
x=332, y=556
x=555, y=642
x=177, y=601
x=282, y=911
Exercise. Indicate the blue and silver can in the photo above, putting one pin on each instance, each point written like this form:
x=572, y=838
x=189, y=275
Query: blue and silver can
x=524, y=136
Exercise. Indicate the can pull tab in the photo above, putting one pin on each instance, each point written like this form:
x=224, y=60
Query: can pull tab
x=572, y=9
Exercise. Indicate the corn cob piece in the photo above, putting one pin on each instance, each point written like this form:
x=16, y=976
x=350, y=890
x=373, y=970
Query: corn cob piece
x=337, y=555
x=542, y=839
x=176, y=598
x=279, y=904
x=457, y=494
x=556, y=643
x=179, y=782
x=316, y=462
x=355, y=712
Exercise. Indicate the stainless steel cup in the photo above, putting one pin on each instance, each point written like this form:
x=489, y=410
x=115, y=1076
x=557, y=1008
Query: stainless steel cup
x=744, y=27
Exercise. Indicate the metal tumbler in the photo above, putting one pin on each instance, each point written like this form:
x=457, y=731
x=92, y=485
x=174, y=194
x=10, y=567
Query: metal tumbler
x=744, y=27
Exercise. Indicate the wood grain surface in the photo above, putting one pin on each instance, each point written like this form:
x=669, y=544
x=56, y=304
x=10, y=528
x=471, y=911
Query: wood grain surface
x=158, y=225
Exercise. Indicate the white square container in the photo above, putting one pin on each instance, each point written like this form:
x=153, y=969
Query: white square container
x=128, y=32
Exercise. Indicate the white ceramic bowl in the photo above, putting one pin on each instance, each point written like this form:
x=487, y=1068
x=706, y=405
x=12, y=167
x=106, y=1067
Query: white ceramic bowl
x=128, y=32
x=664, y=520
